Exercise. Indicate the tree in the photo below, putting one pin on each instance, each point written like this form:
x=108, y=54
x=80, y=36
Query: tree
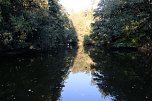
x=34, y=24
x=123, y=23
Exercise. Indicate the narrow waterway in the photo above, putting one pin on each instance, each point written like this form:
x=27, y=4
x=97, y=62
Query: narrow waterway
x=76, y=75
x=79, y=84
x=80, y=87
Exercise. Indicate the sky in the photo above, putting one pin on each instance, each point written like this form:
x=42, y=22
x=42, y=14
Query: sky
x=77, y=5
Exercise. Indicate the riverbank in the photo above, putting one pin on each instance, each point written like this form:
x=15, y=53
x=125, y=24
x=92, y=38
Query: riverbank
x=27, y=51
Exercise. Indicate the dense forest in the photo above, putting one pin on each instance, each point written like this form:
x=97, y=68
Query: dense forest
x=123, y=23
x=34, y=24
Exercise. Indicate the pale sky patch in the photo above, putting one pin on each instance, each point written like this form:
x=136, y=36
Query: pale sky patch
x=77, y=5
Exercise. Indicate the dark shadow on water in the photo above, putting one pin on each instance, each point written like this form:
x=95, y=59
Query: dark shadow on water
x=124, y=76
x=35, y=78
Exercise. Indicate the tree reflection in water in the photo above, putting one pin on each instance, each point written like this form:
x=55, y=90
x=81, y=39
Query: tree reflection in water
x=34, y=78
x=124, y=76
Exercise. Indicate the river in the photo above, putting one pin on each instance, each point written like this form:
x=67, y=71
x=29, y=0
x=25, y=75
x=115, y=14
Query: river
x=70, y=74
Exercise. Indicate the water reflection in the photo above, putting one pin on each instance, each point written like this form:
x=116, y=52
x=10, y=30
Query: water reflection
x=82, y=62
x=124, y=76
x=80, y=87
x=34, y=78
x=69, y=76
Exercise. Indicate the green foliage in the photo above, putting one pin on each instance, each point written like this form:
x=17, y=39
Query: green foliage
x=0, y=17
x=82, y=21
x=123, y=23
x=7, y=38
x=34, y=24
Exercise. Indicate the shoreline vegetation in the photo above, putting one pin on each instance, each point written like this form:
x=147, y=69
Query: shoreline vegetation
x=82, y=24
x=42, y=26
x=34, y=25
x=122, y=25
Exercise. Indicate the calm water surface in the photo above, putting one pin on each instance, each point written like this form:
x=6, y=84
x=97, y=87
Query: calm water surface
x=80, y=87
x=75, y=75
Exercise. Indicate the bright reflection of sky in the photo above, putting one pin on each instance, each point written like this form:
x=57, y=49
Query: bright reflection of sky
x=78, y=87
x=77, y=5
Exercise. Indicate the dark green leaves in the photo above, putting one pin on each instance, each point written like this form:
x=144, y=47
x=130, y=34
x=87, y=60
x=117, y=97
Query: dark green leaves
x=123, y=22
